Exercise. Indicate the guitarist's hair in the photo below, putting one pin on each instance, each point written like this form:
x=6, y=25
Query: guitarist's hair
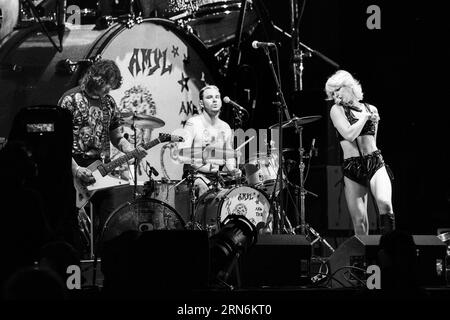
x=101, y=73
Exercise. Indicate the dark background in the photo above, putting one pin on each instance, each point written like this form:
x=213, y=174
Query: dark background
x=402, y=68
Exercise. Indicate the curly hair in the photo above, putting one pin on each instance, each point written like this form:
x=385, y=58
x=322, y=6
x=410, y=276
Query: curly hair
x=101, y=73
x=340, y=79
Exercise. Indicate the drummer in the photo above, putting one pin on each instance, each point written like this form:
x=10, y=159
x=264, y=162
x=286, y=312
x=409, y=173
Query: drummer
x=208, y=132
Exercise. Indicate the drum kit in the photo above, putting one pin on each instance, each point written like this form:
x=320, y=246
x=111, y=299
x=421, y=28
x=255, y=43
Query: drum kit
x=178, y=205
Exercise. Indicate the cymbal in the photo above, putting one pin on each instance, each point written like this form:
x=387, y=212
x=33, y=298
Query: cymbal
x=299, y=121
x=207, y=153
x=143, y=121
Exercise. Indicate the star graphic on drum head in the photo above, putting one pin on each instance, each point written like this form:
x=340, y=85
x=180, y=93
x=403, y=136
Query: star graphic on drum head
x=175, y=51
x=183, y=82
x=186, y=59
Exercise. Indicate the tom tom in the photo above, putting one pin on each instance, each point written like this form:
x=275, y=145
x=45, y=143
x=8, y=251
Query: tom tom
x=261, y=172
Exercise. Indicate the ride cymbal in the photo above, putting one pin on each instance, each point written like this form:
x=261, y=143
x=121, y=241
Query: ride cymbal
x=296, y=120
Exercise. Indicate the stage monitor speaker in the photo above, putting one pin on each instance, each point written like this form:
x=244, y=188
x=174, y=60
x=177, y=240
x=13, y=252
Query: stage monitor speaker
x=362, y=251
x=157, y=260
x=276, y=260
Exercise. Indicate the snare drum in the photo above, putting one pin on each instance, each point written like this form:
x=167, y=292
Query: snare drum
x=215, y=205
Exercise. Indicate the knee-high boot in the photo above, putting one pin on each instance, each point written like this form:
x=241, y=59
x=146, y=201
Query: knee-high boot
x=387, y=222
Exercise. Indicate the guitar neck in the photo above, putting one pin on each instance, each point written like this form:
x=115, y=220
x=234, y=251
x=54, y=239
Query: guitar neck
x=108, y=167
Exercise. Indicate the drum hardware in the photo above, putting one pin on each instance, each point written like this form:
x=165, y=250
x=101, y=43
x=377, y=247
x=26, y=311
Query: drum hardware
x=128, y=20
x=68, y=67
x=300, y=190
x=141, y=121
x=279, y=222
x=194, y=195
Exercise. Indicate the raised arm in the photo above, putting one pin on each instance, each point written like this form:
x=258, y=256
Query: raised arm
x=349, y=131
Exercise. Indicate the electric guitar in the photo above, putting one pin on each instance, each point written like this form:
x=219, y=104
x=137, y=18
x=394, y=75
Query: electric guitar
x=101, y=170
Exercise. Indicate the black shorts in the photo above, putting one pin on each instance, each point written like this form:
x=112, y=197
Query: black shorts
x=362, y=170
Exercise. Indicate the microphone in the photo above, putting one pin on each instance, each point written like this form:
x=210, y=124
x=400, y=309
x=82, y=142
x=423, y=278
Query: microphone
x=258, y=44
x=234, y=104
x=174, y=138
x=152, y=170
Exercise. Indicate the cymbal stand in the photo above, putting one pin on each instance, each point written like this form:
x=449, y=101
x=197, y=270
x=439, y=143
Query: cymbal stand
x=282, y=106
x=193, y=196
x=133, y=127
x=305, y=229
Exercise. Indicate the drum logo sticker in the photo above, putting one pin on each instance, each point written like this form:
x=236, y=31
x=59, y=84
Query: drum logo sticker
x=240, y=209
x=143, y=61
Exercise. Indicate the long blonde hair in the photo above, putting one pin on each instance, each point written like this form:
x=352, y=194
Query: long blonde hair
x=342, y=78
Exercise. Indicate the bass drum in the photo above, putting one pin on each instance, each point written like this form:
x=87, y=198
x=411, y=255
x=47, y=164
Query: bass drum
x=215, y=205
x=163, y=68
x=143, y=214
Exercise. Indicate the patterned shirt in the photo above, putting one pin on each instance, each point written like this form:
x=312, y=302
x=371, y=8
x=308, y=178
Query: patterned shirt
x=93, y=119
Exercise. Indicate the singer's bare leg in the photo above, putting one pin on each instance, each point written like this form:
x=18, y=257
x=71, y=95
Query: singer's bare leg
x=381, y=187
x=356, y=196
x=10, y=14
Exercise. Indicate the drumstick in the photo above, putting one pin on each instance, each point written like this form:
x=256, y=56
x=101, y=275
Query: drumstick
x=237, y=149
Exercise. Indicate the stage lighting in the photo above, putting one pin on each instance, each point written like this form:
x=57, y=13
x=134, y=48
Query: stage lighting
x=235, y=237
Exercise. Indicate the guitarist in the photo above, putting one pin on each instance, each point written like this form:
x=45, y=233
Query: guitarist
x=96, y=123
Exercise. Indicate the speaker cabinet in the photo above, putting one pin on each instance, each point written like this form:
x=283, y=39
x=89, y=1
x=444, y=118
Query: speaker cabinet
x=276, y=260
x=162, y=260
x=362, y=251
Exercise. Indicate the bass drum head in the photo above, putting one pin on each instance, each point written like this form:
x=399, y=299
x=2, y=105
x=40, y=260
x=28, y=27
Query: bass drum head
x=141, y=215
x=214, y=206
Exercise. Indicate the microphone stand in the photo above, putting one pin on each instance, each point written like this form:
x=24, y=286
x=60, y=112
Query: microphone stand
x=282, y=106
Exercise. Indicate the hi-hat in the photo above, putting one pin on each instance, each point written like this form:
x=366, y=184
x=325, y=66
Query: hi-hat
x=296, y=120
x=208, y=153
x=143, y=121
